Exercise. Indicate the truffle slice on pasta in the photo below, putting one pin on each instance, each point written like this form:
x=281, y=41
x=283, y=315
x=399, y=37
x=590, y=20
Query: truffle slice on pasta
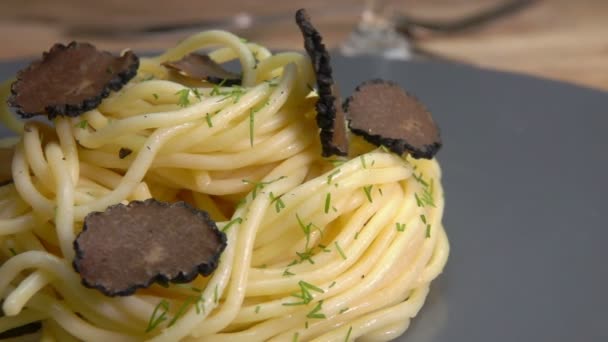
x=131, y=246
x=202, y=68
x=70, y=80
x=330, y=117
x=384, y=114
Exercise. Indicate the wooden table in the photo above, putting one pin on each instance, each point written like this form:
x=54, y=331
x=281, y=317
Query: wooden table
x=560, y=39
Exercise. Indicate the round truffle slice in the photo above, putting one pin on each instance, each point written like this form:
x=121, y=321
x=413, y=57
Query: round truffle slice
x=384, y=114
x=330, y=118
x=203, y=68
x=70, y=80
x=131, y=246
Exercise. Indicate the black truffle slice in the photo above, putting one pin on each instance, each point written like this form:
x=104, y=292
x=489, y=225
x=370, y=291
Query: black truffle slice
x=383, y=113
x=330, y=118
x=202, y=67
x=131, y=246
x=70, y=80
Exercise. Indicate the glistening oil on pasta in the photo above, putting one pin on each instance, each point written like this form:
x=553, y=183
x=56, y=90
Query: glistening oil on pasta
x=318, y=249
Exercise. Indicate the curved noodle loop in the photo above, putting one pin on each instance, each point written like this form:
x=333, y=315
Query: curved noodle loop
x=317, y=249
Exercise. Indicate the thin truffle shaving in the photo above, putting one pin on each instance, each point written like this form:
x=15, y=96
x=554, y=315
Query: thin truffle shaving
x=330, y=118
x=131, y=246
x=70, y=80
x=202, y=68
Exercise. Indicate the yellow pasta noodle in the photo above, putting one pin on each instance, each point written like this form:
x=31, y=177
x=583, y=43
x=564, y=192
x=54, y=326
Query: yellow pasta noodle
x=318, y=249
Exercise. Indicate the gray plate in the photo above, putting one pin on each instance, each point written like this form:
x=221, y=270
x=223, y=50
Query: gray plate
x=524, y=162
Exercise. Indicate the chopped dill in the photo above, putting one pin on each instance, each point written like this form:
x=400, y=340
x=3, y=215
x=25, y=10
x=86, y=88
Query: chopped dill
x=333, y=283
x=363, y=162
x=332, y=175
x=184, y=97
x=315, y=312
x=286, y=273
x=278, y=202
x=327, y=202
x=368, y=192
x=257, y=309
x=155, y=95
x=82, y=124
x=304, y=294
x=260, y=185
x=340, y=250
x=182, y=310
x=251, y=126
x=12, y=250
x=400, y=226
x=215, y=295
x=231, y=222
x=159, y=315
x=343, y=310
x=350, y=330
x=208, y=119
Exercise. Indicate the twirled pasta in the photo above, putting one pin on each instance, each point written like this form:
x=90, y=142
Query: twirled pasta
x=317, y=249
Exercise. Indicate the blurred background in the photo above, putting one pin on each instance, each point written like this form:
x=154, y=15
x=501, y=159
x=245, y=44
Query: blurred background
x=559, y=39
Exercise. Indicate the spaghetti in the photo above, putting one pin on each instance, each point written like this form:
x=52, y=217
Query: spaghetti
x=317, y=249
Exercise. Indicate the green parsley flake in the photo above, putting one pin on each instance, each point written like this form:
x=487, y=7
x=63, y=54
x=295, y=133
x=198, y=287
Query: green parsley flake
x=83, y=124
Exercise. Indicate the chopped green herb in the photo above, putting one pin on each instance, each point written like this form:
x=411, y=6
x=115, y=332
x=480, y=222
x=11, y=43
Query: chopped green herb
x=148, y=78
x=337, y=162
x=216, y=88
x=243, y=40
x=315, y=311
x=306, y=229
x=343, y=311
x=323, y=248
x=236, y=92
x=257, y=309
x=12, y=250
x=385, y=149
x=400, y=226
x=333, y=283
x=184, y=97
x=428, y=231
x=155, y=95
x=380, y=191
x=231, y=222
x=278, y=202
x=327, y=202
x=418, y=201
x=363, y=163
x=357, y=234
x=419, y=179
x=350, y=330
x=295, y=337
x=216, y=297
x=251, y=128
x=427, y=195
x=208, y=119
x=82, y=124
x=182, y=310
x=200, y=300
x=159, y=315
x=263, y=266
x=304, y=294
x=307, y=255
x=196, y=93
x=332, y=175
x=286, y=273
x=305, y=324
x=368, y=192
x=294, y=262
x=423, y=218
x=340, y=250
x=260, y=185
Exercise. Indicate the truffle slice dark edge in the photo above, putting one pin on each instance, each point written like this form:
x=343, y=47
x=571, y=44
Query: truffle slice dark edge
x=400, y=145
x=333, y=135
x=117, y=81
x=206, y=268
